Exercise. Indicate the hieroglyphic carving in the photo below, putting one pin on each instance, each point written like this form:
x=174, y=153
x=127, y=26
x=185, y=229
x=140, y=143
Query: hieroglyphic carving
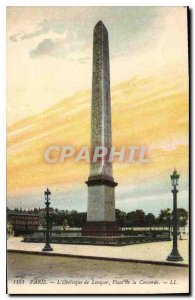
x=101, y=106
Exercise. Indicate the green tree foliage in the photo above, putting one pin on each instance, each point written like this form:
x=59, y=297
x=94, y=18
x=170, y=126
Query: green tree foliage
x=120, y=217
x=137, y=218
x=165, y=217
x=182, y=215
x=149, y=220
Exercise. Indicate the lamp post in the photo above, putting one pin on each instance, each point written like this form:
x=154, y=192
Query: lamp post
x=47, y=244
x=174, y=256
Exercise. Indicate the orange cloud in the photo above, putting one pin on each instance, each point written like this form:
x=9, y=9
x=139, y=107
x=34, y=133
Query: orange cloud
x=150, y=111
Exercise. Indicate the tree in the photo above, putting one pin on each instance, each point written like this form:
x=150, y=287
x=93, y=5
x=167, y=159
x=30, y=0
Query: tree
x=136, y=218
x=149, y=220
x=164, y=217
x=131, y=219
x=120, y=217
x=182, y=216
x=64, y=224
x=140, y=216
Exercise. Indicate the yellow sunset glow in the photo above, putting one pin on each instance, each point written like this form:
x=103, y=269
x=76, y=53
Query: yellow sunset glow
x=149, y=96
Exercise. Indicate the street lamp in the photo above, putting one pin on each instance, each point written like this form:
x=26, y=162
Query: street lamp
x=174, y=256
x=47, y=244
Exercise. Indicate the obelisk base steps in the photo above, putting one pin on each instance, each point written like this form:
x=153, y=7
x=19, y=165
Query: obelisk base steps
x=100, y=229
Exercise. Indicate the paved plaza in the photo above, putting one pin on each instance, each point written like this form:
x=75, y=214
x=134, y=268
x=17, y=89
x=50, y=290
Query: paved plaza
x=122, y=269
x=149, y=252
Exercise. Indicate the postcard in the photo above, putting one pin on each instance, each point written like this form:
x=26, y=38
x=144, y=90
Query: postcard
x=98, y=150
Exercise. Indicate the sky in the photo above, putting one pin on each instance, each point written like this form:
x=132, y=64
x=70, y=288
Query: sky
x=49, y=73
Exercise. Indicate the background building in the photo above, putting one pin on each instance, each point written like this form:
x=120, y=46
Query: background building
x=23, y=223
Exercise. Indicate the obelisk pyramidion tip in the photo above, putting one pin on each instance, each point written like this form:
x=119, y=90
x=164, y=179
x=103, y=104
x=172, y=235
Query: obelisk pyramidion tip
x=100, y=24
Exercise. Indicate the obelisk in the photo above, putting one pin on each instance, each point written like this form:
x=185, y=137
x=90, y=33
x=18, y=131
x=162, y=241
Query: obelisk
x=101, y=194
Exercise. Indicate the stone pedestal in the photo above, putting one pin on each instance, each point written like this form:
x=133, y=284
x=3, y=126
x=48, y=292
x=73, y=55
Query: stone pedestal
x=101, y=207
